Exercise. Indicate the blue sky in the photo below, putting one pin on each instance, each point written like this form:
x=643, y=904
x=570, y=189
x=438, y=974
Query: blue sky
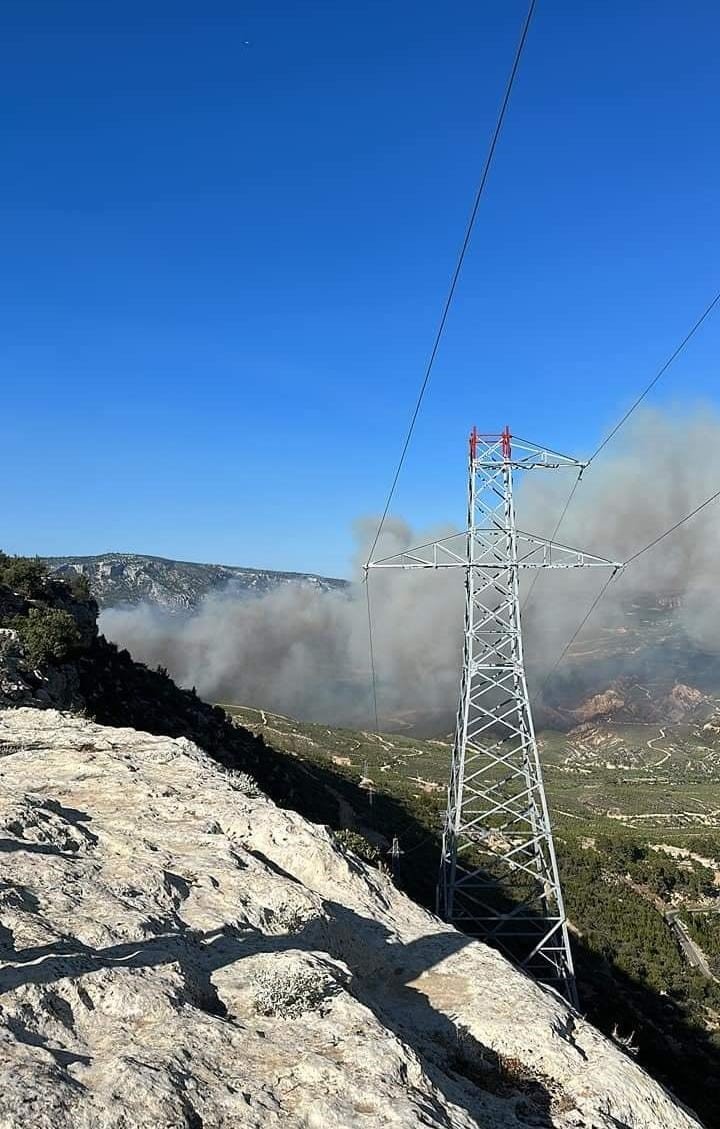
x=223, y=264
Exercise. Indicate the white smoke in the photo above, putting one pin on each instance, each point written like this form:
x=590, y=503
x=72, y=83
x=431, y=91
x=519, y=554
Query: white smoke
x=304, y=652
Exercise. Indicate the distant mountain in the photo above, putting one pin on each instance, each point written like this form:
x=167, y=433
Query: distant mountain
x=126, y=579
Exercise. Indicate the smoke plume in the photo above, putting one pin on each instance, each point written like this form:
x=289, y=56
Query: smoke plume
x=304, y=652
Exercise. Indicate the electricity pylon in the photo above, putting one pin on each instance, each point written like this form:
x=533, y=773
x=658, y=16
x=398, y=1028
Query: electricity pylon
x=498, y=871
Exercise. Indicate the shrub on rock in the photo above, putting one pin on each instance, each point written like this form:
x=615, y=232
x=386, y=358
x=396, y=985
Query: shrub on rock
x=47, y=635
x=359, y=845
x=25, y=575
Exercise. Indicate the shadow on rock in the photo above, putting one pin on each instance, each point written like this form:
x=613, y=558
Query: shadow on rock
x=381, y=976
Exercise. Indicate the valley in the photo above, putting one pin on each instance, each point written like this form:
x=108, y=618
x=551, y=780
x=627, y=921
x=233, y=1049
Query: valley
x=600, y=776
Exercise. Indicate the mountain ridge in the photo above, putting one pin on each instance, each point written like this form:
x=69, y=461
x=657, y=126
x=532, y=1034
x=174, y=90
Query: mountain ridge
x=120, y=579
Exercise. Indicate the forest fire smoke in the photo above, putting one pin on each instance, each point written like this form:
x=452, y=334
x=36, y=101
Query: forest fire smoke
x=304, y=652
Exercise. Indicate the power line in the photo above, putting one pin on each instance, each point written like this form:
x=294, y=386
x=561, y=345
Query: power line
x=646, y=548
x=655, y=379
x=661, y=372
x=458, y=268
x=657, y=540
x=575, y=634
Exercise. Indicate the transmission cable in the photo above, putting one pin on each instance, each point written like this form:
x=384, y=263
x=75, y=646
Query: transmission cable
x=636, y=404
x=575, y=634
x=655, y=379
x=646, y=548
x=657, y=540
x=458, y=268
x=441, y=327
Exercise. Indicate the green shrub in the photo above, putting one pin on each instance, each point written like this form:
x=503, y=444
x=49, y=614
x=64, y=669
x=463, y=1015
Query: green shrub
x=358, y=844
x=25, y=575
x=80, y=586
x=291, y=991
x=47, y=634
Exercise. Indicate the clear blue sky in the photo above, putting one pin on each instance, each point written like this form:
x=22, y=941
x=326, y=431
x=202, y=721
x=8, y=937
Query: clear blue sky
x=223, y=264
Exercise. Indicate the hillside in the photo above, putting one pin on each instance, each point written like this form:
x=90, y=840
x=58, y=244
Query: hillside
x=636, y=809
x=118, y=579
x=646, y=667
x=634, y=981
x=178, y=952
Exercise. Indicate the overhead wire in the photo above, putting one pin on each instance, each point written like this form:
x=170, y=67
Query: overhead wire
x=621, y=423
x=640, y=552
x=661, y=372
x=458, y=267
x=429, y=368
x=575, y=634
x=443, y=318
x=662, y=536
x=638, y=401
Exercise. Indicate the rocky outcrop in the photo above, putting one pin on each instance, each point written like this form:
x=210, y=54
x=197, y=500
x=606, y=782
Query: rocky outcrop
x=127, y=579
x=607, y=704
x=48, y=684
x=684, y=701
x=176, y=951
x=628, y=702
x=21, y=684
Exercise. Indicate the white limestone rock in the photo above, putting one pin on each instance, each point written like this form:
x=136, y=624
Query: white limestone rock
x=176, y=952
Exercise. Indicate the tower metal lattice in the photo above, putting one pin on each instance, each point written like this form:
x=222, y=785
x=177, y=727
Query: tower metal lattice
x=498, y=871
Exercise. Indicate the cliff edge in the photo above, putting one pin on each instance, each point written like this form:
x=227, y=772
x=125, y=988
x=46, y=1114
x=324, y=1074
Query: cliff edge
x=177, y=951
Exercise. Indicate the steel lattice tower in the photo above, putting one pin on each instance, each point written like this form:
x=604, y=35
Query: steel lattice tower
x=498, y=872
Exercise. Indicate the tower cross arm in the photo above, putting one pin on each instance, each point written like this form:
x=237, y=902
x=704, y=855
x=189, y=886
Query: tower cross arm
x=492, y=451
x=447, y=552
x=539, y=552
x=485, y=548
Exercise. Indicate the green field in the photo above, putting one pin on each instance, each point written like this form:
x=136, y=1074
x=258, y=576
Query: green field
x=641, y=777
